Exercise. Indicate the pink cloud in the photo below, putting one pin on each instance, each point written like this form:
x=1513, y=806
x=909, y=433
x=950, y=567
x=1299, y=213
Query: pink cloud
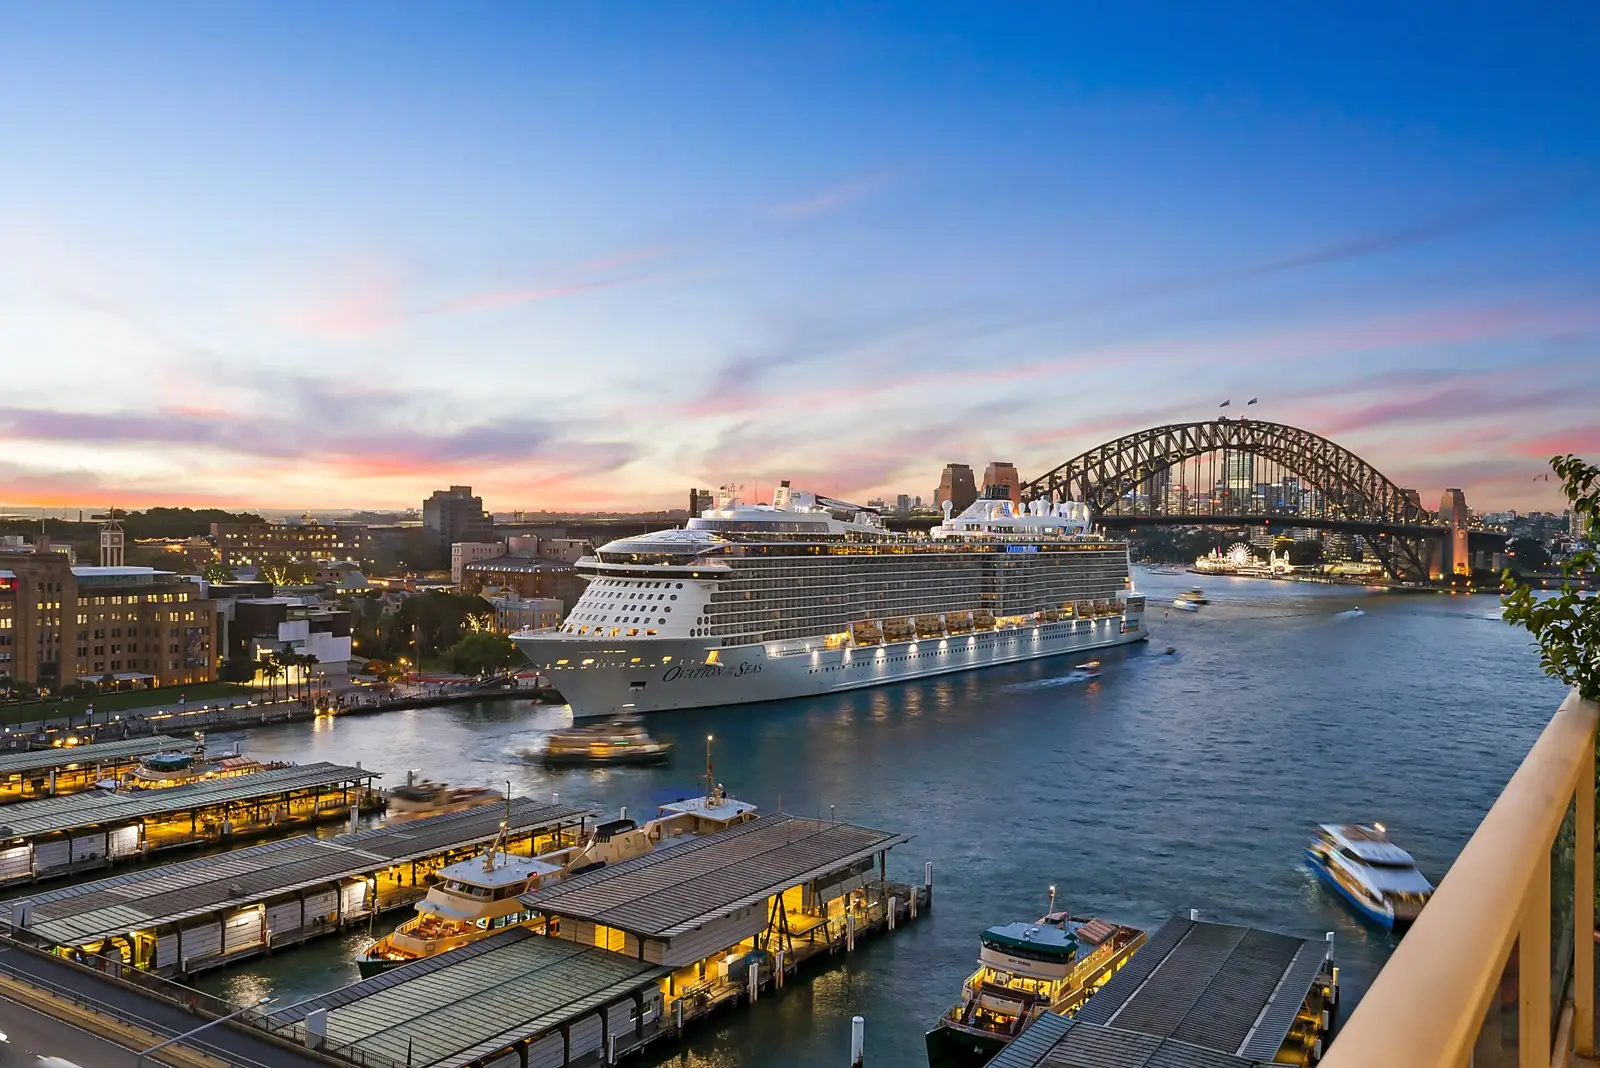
x=364, y=310
x=830, y=199
x=1441, y=326
x=510, y=298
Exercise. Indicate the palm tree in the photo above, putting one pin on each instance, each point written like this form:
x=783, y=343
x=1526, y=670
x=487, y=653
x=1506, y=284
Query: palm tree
x=305, y=662
x=273, y=666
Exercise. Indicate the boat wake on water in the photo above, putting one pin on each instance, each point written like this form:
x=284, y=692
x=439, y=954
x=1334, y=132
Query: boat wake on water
x=1349, y=613
x=1071, y=678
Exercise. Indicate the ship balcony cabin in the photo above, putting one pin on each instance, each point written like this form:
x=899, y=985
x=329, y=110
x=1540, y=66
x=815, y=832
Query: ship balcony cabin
x=1499, y=967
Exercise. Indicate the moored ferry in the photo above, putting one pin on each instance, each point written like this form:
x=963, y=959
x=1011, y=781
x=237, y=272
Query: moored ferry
x=1369, y=871
x=1024, y=971
x=810, y=595
x=473, y=899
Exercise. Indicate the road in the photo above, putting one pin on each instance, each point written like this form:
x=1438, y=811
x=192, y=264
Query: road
x=159, y=1017
x=32, y=1036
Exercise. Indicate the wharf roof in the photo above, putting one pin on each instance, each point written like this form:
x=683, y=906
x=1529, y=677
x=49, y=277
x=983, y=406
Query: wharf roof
x=61, y=756
x=141, y=900
x=669, y=892
x=95, y=808
x=459, y=1007
x=1054, y=1041
x=1205, y=994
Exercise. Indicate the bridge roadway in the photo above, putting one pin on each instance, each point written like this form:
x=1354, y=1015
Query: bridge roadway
x=31, y=1036
x=133, y=1007
x=1127, y=521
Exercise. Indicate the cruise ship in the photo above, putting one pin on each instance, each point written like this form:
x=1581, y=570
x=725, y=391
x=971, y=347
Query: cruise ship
x=810, y=595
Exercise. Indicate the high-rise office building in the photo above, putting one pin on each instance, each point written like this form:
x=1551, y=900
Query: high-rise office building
x=1238, y=471
x=1001, y=473
x=456, y=515
x=957, y=487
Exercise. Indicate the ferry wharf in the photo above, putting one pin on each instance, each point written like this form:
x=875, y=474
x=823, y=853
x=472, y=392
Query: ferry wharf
x=56, y=836
x=630, y=954
x=1202, y=995
x=59, y=770
x=195, y=915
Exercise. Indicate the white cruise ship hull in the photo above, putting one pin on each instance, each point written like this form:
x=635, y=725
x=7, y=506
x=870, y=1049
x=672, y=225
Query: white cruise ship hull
x=663, y=674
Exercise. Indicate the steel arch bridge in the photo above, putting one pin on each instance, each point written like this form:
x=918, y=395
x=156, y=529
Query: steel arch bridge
x=1114, y=480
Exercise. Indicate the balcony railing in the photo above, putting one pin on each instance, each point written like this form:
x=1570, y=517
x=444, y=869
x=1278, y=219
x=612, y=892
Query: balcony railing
x=1483, y=977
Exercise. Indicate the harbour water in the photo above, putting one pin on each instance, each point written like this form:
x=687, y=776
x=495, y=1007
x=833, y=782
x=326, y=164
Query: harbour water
x=1169, y=782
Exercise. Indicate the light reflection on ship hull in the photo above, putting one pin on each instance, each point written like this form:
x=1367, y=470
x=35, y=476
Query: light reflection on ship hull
x=778, y=671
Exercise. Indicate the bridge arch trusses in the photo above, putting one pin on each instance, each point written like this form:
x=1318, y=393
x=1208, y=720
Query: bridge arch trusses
x=1351, y=487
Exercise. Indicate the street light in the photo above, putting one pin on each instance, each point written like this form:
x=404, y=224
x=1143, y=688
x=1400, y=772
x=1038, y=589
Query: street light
x=139, y=1061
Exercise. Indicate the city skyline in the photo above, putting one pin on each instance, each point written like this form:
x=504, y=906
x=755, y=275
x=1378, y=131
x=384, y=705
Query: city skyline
x=287, y=258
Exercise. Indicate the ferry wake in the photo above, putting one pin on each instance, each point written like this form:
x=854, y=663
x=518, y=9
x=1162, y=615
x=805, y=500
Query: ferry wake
x=810, y=595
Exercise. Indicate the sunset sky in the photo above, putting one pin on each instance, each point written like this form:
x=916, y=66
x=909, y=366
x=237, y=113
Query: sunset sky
x=588, y=255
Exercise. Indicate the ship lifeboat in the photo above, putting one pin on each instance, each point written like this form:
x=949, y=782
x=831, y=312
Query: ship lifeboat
x=1049, y=615
x=898, y=629
x=865, y=632
x=983, y=620
x=958, y=622
x=930, y=627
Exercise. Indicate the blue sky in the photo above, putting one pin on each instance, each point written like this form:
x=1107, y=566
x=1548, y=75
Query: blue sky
x=297, y=255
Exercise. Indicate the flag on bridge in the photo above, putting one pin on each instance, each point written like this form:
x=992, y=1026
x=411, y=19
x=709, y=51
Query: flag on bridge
x=1251, y=401
x=1225, y=403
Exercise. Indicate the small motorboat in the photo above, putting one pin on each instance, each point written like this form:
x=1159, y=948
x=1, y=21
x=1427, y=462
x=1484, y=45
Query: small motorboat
x=620, y=741
x=1172, y=650
x=1090, y=669
x=1190, y=601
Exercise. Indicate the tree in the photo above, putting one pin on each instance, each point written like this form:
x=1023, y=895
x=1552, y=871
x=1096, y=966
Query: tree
x=273, y=667
x=237, y=669
x=281, y=571
x=481, y=652
x=1565, y=627
x=1529, y=554
x=217, y=573
x=384, y=672
x=1305, y=553
x=12, y=689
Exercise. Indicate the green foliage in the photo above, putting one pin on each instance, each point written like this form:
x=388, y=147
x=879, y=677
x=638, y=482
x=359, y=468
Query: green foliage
x=1529, y=553
x=1305, y=553
x=217, y=573
x=1566, y=627
x=237, y=669
x=17, y=689
x=481, y=652
x=281, y=571
x=180, y=522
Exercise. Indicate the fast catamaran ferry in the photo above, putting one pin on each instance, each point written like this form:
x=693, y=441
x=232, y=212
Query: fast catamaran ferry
x=809, y=595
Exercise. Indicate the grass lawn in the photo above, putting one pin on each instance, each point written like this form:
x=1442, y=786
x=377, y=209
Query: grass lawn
x=166, y=696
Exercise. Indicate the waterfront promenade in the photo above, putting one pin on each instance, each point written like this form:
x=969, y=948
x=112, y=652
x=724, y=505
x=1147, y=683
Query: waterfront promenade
x=178, y=719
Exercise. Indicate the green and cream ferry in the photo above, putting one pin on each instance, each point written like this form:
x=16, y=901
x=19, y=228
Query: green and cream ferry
x=1024, y=971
